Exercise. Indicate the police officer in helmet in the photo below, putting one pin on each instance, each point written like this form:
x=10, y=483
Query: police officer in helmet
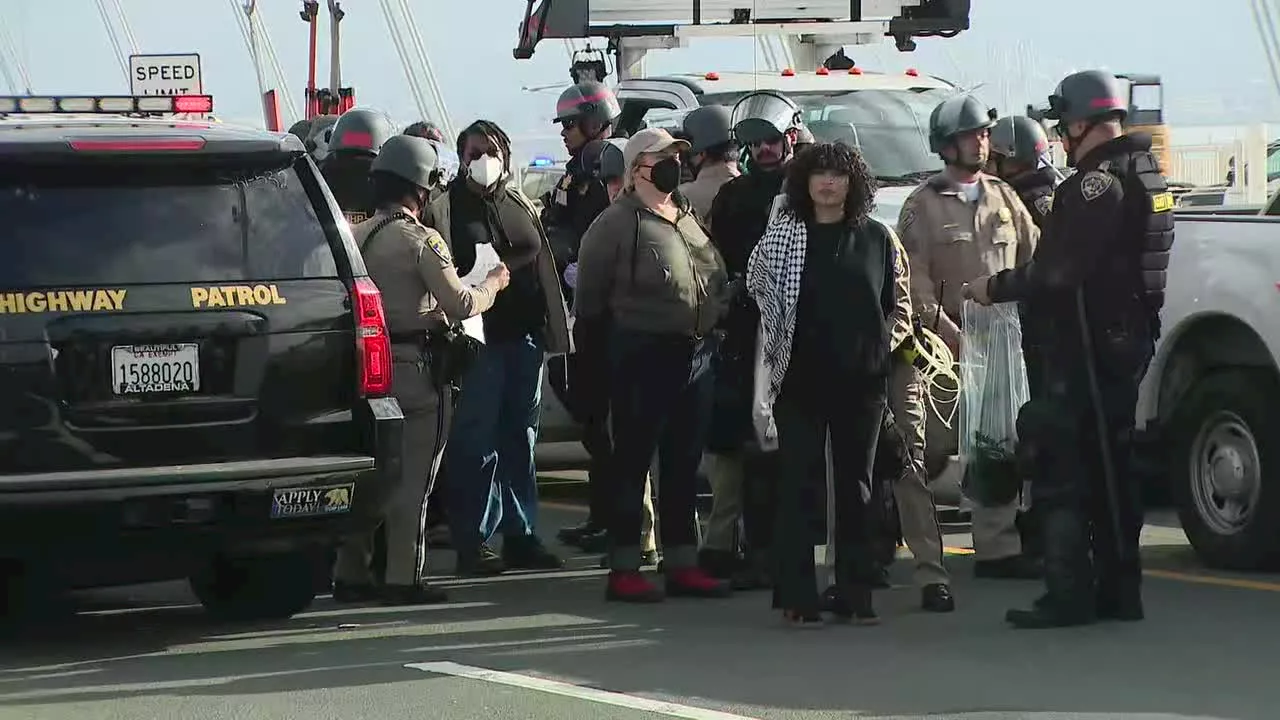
x=1019, y=156
x=1098, y=279
x=422, y=296
x=959, y=224
x=586, y=113
x=712, y=155
x=766, y=124
x=354, y=142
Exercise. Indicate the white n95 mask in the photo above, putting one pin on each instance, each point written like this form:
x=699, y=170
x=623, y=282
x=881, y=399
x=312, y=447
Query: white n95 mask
x=485, y=170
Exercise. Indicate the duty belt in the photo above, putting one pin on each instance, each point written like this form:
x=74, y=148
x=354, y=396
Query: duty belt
x=412, y=337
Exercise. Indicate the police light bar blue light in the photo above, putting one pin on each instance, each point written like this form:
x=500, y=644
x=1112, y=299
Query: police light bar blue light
x=106, y=105
x=542, y=161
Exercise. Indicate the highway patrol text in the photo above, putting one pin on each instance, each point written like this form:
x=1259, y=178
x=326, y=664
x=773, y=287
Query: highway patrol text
x=108, y=299
x=236, y=296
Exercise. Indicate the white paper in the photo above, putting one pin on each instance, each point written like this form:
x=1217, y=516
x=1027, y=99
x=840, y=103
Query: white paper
x=486, y=260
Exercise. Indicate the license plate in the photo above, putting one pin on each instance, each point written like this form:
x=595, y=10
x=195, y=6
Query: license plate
x=312, y=501
x=141, y=369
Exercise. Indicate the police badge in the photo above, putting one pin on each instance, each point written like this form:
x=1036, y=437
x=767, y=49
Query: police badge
x=1094, y=185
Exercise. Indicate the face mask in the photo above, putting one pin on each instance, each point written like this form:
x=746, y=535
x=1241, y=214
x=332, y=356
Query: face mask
x=485, y=170
x=665, y=175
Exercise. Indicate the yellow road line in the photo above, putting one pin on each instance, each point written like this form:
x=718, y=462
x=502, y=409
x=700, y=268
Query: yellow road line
x=1196, y=578
x=1214, y=580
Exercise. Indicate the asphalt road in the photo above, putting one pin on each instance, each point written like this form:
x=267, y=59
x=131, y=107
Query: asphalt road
x=546, y=647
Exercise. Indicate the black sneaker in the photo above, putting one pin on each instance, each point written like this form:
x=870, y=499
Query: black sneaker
x=483, y=562
x=528, y=553
x=1016, y=567
x=937, y=598
x=1044, y=614
x=423, y=594
x=856, y=608
x=350, y=593
x=573, y=535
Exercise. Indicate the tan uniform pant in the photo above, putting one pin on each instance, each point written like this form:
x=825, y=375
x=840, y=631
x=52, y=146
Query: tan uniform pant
x=648, y=535
x=916, y=510
x=995, y=529
x=724, y=474
x=427, y=413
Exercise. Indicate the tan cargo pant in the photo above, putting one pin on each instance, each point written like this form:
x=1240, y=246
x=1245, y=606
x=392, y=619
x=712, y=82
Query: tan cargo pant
x=995, y=529
x=427, y=413
x=916, y=510
x=724, y=474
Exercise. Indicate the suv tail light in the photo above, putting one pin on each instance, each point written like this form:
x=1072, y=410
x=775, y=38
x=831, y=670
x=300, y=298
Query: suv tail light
x=373, y=343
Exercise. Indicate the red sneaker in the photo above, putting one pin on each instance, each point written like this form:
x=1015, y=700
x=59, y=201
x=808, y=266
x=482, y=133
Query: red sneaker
x=631, y=586
x=693, y=582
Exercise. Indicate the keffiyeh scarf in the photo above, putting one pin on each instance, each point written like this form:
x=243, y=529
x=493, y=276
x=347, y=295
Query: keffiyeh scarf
x=774, y=271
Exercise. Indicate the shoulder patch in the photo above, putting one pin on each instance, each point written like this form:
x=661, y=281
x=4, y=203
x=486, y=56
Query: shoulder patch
x=438, y=246
x=1044, y=204
x=1095, y=184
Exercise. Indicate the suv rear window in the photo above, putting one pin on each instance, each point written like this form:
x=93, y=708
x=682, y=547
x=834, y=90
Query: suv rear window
x=124, y=224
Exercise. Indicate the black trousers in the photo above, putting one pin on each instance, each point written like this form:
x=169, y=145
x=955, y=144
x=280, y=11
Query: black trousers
x=759, y=501
x=660, y=400
x=853, y=417
x=1085, y=557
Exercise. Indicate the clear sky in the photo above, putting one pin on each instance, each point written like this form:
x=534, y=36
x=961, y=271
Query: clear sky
x=1211, y=60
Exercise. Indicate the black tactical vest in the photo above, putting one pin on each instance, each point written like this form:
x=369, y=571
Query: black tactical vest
x=1148, y=224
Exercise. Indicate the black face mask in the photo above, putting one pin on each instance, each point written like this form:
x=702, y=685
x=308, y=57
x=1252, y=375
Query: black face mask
x=665, y=175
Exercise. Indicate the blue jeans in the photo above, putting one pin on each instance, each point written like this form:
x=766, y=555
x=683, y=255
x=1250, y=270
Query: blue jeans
x=492, y=480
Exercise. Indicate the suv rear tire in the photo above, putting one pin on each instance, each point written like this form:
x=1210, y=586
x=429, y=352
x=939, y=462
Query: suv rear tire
x=267, y=587
x=1225, y=446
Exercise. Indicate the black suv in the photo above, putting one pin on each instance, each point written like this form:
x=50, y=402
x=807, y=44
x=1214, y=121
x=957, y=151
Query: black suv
x=194, y=364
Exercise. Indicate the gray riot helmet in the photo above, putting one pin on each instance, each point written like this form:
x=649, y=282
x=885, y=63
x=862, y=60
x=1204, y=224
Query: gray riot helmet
x=361, y=131
x=319, y=131
x=804, y=136
x=1087, y=95
x=301, y=130
x=708, y=126
x=612, y=164
x=956, y=115
x=762, y=116
x=410, y=158
x=587, y=102
x=1019, y=138
x=425, y=129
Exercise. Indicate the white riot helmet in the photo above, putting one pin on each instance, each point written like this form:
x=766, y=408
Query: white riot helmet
x=763, y=115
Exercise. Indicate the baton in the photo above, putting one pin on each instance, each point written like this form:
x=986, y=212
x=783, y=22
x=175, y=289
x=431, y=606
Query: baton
x=1104, y=438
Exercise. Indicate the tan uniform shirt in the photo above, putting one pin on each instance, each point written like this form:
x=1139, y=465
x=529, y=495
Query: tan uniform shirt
x=701, y=191
x=900, y=318
x=951, y=241
x=413, y=268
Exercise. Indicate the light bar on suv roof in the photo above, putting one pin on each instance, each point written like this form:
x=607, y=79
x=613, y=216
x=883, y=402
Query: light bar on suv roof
x=105, y=105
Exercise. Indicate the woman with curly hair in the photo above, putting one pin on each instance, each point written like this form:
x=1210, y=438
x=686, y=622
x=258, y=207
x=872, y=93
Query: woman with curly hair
x=823, y=278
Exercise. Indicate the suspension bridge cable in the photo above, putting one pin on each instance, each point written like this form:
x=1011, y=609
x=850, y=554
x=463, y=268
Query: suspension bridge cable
x=115, y=40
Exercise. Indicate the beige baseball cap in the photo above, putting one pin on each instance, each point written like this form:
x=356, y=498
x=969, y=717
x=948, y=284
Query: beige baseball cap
x=650, y=140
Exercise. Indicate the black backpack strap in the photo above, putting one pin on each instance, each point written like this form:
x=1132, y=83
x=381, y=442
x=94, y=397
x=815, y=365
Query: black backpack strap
x=368, y=239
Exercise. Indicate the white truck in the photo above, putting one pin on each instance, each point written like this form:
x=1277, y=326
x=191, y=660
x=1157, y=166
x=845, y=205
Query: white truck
x=1209, y=407
x=884, y=113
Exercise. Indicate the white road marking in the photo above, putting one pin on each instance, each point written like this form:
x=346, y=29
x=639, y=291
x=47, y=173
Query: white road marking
x=578, y=692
